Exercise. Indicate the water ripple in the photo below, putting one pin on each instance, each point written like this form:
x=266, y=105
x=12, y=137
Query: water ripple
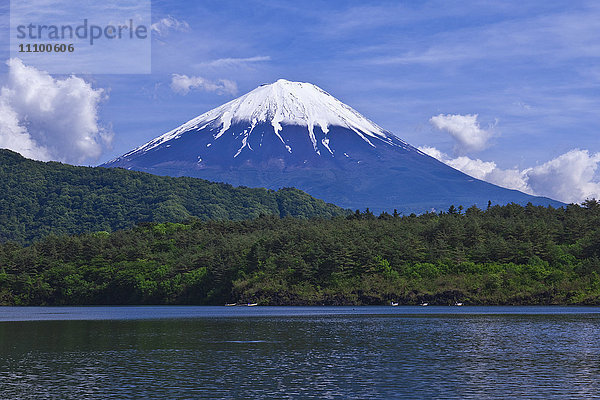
x=308, y=357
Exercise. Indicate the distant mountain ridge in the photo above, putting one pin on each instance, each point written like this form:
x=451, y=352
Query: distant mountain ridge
x=40, y=198
x=294, y=134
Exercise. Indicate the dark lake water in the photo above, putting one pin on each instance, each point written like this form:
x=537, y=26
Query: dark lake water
x=299, y=352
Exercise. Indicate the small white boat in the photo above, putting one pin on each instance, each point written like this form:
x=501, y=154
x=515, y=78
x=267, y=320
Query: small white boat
x=458, y=304
x=230, y=304
x=252, y=304
x=424, y=304
x=393, y=304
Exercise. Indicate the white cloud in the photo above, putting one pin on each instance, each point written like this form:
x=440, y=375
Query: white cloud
x=182, y=84
x=50, y=119
x=163, y=26
x=570, y=178
x=234, y=62
x=435, y=153
x=14, y=136
x=464, y=129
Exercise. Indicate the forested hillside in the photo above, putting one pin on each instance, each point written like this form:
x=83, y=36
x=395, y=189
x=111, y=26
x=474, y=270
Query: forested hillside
x=503, y=255
x=37, y=199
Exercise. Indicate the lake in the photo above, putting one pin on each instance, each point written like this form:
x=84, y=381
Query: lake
x=299, y=352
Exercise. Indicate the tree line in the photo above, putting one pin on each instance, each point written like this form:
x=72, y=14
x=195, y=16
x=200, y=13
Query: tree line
x=39, y=199
x=508, y=254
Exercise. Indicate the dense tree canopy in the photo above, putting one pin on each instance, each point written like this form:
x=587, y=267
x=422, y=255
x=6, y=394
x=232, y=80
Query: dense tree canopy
x=503, y=255
x=39, y=198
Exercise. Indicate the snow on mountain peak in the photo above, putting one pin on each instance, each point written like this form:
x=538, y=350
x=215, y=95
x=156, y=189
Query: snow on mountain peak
x=281, y=103
x=293, y=103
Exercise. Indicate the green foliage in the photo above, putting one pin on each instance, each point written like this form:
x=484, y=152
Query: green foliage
x=503, y=255
x=39, y=199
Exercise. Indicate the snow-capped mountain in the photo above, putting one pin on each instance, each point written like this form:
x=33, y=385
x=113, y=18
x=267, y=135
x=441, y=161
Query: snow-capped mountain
x=281, y=103
x=296, y=134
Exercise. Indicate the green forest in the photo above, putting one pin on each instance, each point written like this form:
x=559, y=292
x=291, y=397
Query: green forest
x=38, y=199
x=508, y=254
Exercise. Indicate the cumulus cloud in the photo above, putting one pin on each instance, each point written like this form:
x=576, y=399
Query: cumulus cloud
x=170, y=23
x=464, y=129
x=571, y=177
x=182, y=84
x=50, y=119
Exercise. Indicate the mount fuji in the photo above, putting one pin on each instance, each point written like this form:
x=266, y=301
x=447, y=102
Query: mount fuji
x=294, y=134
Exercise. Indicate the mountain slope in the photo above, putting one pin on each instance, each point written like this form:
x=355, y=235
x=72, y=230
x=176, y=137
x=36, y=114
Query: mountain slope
x=43, y=198
x=296, y=134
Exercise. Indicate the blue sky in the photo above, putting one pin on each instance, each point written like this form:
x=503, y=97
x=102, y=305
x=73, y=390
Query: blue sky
x=529, y=70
